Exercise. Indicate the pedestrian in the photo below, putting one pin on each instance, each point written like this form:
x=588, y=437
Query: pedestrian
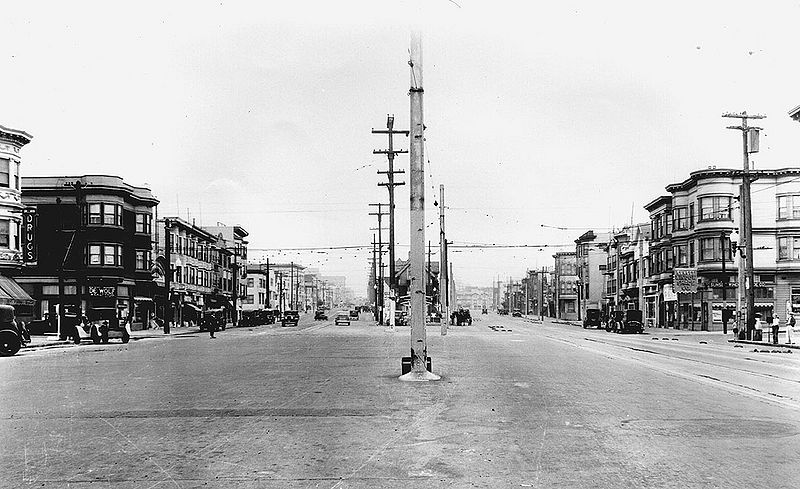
x=211, y=324
x=790, y=329
x=775, y=326
x=757, y=327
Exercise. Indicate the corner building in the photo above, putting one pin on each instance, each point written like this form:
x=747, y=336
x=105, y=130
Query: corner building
x=101, y=229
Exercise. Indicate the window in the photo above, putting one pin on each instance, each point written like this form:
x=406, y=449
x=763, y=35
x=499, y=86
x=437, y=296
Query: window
x=144, y=223
x=5, y=239
x=691, y=215
x=178, y=274
x=691, y=253
x=143, y=260
x=16, y=177
x=105, y=214
x=681, y=255
x=4, y=171
x=715, y=208
x=789, y=206
x=105, y=254
x=711, y=250
x=789, y=248
x=680, y=218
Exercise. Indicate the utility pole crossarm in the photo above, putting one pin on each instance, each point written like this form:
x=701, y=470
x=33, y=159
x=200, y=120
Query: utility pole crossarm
x=387, y=184
x=389, y=151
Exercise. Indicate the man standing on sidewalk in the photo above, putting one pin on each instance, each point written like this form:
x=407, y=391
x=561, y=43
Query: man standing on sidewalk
x=775, y=326
x=790, y=329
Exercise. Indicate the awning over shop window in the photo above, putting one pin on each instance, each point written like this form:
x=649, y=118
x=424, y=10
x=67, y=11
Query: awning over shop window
x=11, y=293
x=142, y=299
x=192, y=306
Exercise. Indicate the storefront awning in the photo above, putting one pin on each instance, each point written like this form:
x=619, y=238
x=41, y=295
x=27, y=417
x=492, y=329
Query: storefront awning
x=142, y=299
x=191, y=306
x=11, y=293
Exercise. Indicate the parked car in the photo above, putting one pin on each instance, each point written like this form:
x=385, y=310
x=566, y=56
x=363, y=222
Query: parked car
x=592, y=319
x=354, y=314
x=12, y=334
x=401, y=318
x=516, y=313
x=484, y=311
x=435, y=317
x=342, y=317
x=290, y=318
x=320, y=315
x=632, y=322
x=213, y=318
x=102, y=324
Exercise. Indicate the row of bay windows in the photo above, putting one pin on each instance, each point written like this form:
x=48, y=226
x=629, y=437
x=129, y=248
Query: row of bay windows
x=110, y=255
x=192, y=247
x=190, y=275
x=682, y=218
x=106, y=214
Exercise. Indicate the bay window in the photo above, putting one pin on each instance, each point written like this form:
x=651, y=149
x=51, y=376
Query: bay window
x=104, y=254
x=715, y=208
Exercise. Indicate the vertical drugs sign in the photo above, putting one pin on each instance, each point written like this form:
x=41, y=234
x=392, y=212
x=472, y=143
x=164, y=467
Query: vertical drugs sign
x=30, y=250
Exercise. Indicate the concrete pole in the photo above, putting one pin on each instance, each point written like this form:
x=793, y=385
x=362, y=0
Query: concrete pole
x=419, y=347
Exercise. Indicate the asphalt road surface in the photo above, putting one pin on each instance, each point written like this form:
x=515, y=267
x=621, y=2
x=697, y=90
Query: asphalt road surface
x=520, y=404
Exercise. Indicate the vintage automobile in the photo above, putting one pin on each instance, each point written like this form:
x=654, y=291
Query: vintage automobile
x=614, y=321
x=102, y=324
x=213, y=318
x=12, y=335
x=632, y=322
x=401, y=318
x=434, y=317
x=461, y=317
x=320, y=315
x=484, y=310
x=516, y=313
x=592, y=319
x=342, y=317
x=290, y=318
x=354, y=314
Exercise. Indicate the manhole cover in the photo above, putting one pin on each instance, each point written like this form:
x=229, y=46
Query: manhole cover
x=711, y=428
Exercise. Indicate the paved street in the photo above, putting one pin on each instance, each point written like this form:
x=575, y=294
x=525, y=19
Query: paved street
x=520, y=404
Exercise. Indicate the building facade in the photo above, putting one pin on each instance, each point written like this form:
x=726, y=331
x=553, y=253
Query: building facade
x=14, y=222
x=591, y=252
x=566, y=286
x=692, y=231
x=232, y=239
x=94, y=237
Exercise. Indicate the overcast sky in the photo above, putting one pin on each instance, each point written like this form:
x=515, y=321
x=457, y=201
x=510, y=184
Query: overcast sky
x=539, y=114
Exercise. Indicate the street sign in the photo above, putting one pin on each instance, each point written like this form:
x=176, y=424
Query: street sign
x=684, y=280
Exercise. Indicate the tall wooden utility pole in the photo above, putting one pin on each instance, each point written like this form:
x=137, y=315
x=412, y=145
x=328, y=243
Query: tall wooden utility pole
x=419, y=346
x=375, y=275
x=444, y=286
x=390, y=185
x=167, y=275
x=379, y=276
x=749, y=135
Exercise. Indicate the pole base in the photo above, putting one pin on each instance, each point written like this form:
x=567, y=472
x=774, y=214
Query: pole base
x=413, y=376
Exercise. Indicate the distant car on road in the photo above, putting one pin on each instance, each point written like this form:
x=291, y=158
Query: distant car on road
x=320, y=315
x=290, y=317
x=354, y=314
x=461, y=317
x=516, y=313
x=342, y=317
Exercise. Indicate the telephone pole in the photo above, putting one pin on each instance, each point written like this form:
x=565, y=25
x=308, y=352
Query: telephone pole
x=419, y=346
x=444, y=286
x=749, y=145
x=379, y=290
x=390, y=185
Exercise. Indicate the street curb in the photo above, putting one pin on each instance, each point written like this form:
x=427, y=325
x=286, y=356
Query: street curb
x=764, y=343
